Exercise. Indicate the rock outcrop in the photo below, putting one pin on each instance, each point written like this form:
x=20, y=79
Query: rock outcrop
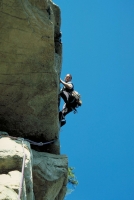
x=30, y=67
x=45, y=175
x=11, y=156
x=52, y=183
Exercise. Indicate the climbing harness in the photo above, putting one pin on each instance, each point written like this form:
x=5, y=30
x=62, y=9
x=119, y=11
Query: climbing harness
x=24, y=156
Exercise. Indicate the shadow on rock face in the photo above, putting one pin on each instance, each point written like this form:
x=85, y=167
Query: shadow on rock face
x=39, y=145
x=52, y=146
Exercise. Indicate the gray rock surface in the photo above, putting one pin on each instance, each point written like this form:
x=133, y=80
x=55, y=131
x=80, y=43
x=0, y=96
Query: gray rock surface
x=11, y=156
x=45, y=174
x=49, y=175
x=30, y=65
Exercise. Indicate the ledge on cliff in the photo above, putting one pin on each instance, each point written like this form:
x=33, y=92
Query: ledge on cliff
x=45, y=174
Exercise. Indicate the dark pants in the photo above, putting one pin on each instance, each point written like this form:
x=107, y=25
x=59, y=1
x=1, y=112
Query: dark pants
x=68, y=106
x=65, y=96
x=68, y=99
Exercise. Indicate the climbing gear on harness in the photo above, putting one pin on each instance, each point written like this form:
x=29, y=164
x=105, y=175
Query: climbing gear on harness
x=77, y=97
x=75, y=94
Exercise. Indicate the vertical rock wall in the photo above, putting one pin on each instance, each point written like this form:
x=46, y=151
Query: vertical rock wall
x=30, y=65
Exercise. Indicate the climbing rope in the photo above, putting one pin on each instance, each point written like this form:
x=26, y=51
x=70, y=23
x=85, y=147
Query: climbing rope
x=30, y=141
x=39, y=143
x=22, y=171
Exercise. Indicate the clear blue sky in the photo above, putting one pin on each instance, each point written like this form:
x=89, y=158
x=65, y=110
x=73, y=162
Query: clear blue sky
x=98, y=50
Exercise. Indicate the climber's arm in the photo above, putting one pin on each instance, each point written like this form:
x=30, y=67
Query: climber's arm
x=67, y=85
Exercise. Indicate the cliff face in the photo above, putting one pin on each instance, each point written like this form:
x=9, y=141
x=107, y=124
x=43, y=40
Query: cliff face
x=30, y=64
x=30, y=67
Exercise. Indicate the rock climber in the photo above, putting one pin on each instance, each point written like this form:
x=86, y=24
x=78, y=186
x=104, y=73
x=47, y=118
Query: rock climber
x=70, y=102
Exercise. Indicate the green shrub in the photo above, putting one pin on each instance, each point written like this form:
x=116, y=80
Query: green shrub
x=71, y=176
x=71, y=180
